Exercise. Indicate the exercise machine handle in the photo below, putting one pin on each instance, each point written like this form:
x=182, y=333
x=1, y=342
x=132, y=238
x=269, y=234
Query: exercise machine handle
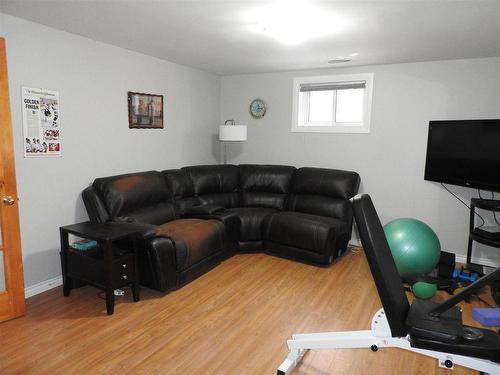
x=474, y=287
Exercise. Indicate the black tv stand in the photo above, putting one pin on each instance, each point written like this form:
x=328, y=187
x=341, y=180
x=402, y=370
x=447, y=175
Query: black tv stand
x=479, y=235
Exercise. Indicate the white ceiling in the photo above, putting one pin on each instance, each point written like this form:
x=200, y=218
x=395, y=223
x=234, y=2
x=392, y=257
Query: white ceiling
x=228, y=37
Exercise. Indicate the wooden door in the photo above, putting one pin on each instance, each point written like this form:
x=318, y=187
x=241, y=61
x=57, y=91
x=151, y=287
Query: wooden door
x=11, y=266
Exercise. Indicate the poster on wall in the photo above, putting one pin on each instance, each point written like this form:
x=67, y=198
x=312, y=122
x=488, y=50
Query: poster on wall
x=41, y=122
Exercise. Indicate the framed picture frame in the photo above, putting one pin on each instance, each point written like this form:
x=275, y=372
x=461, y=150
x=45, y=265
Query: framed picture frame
x=145, y=111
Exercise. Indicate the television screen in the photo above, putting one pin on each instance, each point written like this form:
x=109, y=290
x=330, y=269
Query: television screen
x=465, y=153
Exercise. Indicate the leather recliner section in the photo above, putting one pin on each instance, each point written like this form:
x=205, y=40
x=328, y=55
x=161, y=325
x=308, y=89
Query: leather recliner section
x=318, y=217
x=263, y=191
x=182, y=190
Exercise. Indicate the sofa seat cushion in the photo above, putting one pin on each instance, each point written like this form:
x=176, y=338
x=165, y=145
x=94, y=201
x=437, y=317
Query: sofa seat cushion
x=251, y=221
x=306, y=231
x=231, y=220
x=194, y=239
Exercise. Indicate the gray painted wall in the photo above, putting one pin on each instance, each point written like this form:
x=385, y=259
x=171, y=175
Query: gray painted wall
x=391, y=158
x=93, y=79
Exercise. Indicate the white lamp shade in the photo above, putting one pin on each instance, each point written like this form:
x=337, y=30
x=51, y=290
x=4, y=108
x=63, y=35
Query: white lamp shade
x=233, y=133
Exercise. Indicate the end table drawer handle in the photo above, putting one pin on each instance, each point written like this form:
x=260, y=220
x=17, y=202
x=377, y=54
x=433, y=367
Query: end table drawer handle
x=124, y=277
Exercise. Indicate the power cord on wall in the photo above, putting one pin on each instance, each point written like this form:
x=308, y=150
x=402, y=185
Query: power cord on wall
x=465, y=204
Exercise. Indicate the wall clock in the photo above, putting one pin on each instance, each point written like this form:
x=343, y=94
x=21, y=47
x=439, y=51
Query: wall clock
x=258, y=108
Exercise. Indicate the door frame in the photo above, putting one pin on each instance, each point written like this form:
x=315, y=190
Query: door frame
x=12, y=301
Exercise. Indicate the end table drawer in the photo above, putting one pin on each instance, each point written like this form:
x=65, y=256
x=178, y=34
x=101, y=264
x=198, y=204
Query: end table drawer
x=123, y=270
x=92, y=269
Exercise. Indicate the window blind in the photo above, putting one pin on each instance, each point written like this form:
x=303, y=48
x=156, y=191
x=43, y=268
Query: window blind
x=328, y=86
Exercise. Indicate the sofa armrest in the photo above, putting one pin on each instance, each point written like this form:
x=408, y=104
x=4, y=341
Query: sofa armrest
x=95, y=207
x=145, y=231
x=158, y=263
x=157, y=259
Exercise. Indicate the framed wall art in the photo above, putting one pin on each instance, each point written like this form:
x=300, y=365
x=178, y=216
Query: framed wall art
x=145, y=111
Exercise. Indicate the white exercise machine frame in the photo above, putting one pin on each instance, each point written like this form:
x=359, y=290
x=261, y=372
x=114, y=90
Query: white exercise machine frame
x=378, y=337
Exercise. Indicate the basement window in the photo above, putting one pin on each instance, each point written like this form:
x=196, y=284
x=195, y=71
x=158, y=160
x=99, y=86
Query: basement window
x=332, y=104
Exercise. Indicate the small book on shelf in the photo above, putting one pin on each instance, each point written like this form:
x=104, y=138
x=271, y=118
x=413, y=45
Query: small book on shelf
x=84, y=244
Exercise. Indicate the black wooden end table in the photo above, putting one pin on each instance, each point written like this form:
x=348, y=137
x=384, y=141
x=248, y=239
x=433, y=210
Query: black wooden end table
x=106, y=266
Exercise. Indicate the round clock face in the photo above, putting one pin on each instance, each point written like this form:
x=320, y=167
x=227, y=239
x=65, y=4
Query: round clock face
x=258, y=108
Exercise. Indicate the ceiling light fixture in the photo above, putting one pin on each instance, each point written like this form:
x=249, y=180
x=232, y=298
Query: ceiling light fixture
x=294, y=22
x=339, y=60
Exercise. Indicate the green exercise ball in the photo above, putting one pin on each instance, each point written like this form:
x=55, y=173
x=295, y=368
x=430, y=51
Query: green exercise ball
x=414, y=246
x=424, y=290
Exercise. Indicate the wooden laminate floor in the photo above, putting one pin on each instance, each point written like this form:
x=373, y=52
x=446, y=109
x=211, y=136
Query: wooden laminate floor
x=233, y=320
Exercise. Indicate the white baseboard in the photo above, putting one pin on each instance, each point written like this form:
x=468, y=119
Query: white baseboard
x=459, y=258
x=33, y=290
x=43, y=286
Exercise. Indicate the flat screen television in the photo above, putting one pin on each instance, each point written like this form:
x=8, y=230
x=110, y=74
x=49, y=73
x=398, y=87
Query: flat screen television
x=465, y=153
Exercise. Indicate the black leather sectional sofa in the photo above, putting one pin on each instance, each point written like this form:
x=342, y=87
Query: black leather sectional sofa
x=194, y=217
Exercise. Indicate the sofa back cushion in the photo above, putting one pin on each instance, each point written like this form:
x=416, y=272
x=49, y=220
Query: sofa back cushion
x=181, y=188
x=136, y=197
x=215, y=184
x=324, y=192
x=265, y=185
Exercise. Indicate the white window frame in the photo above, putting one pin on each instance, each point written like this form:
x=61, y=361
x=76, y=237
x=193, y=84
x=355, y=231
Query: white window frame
x=336, y=127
